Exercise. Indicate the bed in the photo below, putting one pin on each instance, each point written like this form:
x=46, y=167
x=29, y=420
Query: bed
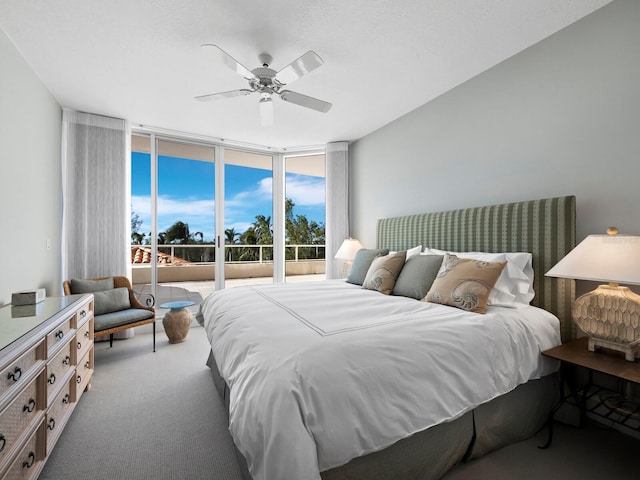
x=330, y=380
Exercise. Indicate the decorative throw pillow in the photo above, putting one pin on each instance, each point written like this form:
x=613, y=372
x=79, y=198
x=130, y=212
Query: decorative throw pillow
x=362, y=262
x=514, y=287
x=113, y=300
x=465, y=283
x=383, y=272
x=90, y=286
x=417, y=275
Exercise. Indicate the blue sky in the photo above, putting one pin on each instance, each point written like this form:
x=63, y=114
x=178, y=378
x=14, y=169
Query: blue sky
x=186, y=193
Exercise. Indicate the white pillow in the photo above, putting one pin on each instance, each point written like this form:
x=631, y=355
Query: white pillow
x=515, y=284
x=414, y=251
x=411, y=252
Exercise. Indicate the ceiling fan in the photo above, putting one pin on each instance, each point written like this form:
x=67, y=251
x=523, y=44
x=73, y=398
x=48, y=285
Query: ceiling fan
x=268, y=82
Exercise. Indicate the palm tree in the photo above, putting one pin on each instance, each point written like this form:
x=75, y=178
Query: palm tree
x=249, y=237
x=231, y=237
x=263, y=229
x=177, y=233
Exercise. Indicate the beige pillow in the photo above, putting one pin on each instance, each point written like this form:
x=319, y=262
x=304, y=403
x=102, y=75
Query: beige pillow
x=464, y=283
x=383, y=272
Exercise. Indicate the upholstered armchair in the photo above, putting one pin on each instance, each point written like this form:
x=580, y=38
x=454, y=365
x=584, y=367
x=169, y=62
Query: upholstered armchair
x=116, y=305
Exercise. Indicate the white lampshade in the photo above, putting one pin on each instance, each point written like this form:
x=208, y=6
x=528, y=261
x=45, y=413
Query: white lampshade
x=602, y=258
x=610, y=314
x=348, y=249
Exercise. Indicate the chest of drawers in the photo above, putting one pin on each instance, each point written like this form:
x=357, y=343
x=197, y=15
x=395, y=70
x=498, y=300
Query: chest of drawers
x=46, y=363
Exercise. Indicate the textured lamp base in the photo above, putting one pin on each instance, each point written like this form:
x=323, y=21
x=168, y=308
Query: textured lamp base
x=631, y=351
x=610, y=316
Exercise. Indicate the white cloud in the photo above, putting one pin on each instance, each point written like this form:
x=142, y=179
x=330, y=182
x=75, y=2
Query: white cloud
x=301, y=189
x=169, y=206
x=261, y=193
x=198, y=214
x=305, y=191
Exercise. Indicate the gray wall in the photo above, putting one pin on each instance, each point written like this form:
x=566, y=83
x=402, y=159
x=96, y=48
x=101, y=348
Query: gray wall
x=560, y=118
x=30, y=178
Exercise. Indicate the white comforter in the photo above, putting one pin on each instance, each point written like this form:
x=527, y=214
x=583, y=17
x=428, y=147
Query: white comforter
x=323, y=372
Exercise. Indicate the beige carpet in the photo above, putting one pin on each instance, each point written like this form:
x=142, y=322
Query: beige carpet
x=157, y=416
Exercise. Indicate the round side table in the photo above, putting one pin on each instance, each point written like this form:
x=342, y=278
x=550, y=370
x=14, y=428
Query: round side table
x=177, y=320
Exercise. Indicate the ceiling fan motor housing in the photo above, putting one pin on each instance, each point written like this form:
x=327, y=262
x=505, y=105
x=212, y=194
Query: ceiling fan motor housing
x=265, y=59
x=265, y=80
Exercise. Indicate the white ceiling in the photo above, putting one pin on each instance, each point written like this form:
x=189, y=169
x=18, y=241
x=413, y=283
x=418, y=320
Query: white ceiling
x=141, y=60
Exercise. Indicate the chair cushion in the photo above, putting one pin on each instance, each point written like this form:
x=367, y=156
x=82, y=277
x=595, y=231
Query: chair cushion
x=112, y=300
x=122, y=317
x=90, y=286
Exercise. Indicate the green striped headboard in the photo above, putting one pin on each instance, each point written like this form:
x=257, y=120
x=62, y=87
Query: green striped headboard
x=546, y=228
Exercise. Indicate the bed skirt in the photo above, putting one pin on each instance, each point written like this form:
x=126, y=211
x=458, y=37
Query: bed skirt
x=430, y=454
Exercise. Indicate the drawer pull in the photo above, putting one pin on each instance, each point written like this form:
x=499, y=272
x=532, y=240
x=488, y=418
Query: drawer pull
x=83, y=313
x=66, y=360
x=3, y=442
x=29, y=463
x=79, y=345
x=87, y=364
x=52, y=423
x=79, y=379
x=86, y=334
x=59, y=334
x=15, y=375
x=52, y=379
x=66, y=399
x=30, y=407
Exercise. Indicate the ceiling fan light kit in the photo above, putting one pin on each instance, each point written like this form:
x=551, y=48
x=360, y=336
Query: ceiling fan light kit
x=266, y=111
x=267, y=82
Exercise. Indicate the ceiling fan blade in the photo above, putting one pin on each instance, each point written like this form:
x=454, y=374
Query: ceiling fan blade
x=229, y=94
x=305, y=64
x=305, y=101
x=232, y=63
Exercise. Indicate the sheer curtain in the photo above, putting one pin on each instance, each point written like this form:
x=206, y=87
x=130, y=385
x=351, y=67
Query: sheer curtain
x=96, y=210
x=337, y=223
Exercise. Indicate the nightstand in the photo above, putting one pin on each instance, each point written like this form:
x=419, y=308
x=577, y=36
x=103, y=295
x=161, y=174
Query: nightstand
x=599, y=400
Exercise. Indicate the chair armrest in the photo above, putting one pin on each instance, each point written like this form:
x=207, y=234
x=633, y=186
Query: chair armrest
x=147, y=298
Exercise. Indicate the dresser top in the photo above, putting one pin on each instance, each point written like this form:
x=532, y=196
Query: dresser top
x=16, y=321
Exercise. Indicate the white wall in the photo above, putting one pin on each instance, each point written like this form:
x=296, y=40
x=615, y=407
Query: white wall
x=560, y=118
x=30, y=178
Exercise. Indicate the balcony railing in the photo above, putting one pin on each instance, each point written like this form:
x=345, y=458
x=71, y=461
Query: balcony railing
x=205, y=254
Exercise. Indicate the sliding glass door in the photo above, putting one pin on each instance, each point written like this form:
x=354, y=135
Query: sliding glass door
x=305, y=217
x=206, y=216
x=173, y=218
x=186, y=222
x=248, y=217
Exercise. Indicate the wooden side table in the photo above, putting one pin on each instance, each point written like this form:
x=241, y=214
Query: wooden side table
x=576, y=354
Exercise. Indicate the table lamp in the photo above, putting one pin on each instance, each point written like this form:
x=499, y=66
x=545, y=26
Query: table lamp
x=347, y=251
x=610, y=314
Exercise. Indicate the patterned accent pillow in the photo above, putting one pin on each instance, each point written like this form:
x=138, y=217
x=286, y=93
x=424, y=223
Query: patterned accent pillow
x=383, y=272
x=464, y=283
